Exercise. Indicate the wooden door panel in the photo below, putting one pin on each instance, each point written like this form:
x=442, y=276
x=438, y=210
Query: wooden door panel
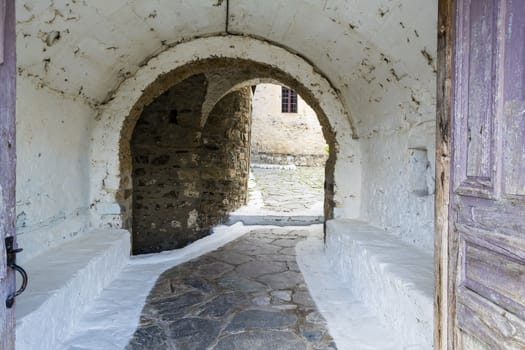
x=496, y=277
x=476, y=102
x=490, y=286
x=3, y=8
x=479, y=102
x=497, y=242
x=487, y=200
x=495, y=223
x=514, y=102
x=491, y=325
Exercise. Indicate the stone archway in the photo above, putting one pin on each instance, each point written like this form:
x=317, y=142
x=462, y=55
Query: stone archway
x=188, y=176
x=111, y=163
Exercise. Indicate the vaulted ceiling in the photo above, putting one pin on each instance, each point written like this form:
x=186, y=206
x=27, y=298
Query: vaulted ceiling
x=379, y=54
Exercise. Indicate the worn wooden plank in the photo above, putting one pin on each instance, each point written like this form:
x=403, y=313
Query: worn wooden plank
x=444, y=304
x=475, y=102
x=497, y=216
x=492, y=325
x=2, y=29
x=514, y=148
x=479, y=69
x=7, y=168
x=510, y=246
x=514, y=101
x=496, y=277
x=471, y=343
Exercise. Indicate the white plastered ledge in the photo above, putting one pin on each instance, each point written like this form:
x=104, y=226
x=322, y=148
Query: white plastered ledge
x=111, y=320
x=392, y=278
x=62, y=281
x=349, y=321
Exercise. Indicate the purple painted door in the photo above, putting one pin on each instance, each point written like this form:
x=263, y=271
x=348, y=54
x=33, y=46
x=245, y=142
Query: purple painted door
x=487, y=192
x=7, y=165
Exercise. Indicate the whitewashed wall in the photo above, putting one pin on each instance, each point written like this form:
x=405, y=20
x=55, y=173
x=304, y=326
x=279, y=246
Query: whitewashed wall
x=53, y=136
x=378, y=55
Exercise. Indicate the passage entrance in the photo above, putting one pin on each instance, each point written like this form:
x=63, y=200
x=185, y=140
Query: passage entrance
x=190, y=153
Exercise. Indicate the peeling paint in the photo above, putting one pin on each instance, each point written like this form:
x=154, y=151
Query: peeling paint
x=52, y=37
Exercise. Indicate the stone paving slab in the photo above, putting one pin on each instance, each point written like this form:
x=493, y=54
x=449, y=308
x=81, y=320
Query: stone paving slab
x=290, y=190
x=248, y=294
x=283, y=197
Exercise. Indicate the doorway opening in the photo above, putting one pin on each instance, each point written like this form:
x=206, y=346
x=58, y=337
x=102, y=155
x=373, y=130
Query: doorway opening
x=190, y=157
x=287, y=163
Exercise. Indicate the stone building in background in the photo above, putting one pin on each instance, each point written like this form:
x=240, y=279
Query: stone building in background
x=285, y=129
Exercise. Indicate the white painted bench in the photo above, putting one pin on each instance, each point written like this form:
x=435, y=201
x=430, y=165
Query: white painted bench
x=394, y=279
x=62, y=281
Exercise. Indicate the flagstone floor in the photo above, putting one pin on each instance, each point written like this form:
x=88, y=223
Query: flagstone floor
x=287, y=191
x=240, y=288
x=248, y=294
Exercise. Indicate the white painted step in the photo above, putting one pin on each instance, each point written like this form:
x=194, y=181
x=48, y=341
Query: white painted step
x=393, y=279
x=350, y=323
x=275, y=220
x=62, y=282
x=111, y=319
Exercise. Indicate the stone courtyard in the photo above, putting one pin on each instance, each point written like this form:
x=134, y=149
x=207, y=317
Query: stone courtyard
x=288, y=190
x=249, y=293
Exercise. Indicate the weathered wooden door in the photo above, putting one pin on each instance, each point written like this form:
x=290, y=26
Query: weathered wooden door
x=7, y=165
x=481, y=89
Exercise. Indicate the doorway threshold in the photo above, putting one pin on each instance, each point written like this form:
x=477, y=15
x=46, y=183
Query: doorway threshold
x=275, y=220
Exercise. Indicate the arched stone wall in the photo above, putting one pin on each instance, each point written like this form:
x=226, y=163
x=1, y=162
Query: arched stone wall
x=110, y=154
x=186, y=176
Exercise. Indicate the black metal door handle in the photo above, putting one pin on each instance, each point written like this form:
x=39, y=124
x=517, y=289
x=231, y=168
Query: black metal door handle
x=11, y=258
x=11, y=298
